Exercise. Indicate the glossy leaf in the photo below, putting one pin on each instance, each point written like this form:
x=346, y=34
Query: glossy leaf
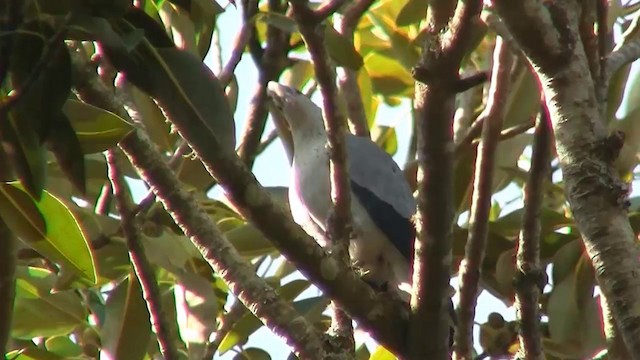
x=412, y=12
x=38, y=312
x=126, y=330
x=64, y=143
x=48, y=227
x=196, y=308
x=97, y=129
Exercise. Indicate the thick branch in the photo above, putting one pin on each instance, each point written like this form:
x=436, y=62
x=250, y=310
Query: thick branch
x=540, y=29
x=435, y=106
x=469, y=273
x=595, y=192
x=339, y=223
x=253, y=291
x=348, y=78
x=528, y=255
x=167, y=339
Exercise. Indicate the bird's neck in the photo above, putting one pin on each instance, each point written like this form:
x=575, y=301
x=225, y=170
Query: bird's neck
x=311, y=135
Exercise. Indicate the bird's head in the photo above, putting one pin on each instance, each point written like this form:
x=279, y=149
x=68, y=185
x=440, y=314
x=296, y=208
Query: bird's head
x=297, y=109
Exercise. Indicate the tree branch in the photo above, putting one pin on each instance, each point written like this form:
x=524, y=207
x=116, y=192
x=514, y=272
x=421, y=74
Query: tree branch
x=469, y=272
x=327, y=8
x=240, y=42
x=593, y=188
x=271, y=64
x=541, y=30
x=527, y=282
x=339, y=223
x=348, y=78
x=383, y=318
x=435, y=107
x=167, y=339
x=626, y=54
x=278, y=315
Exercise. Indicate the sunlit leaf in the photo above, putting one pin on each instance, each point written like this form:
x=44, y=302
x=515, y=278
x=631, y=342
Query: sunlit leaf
x=126, y=329
x=97, y=129
x=48, y=227
x=38, y=312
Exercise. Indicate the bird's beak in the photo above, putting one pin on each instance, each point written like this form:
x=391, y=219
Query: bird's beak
x=277, y=93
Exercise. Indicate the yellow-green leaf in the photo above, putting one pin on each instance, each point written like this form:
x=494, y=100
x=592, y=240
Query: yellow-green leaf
x=97, y=129
x=48, y=227
x=126, y=331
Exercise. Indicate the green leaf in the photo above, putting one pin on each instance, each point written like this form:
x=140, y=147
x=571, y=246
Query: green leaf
x=298, y=75
x=38, y=312
x=362, y=352
x=249, y=323
x=196, y=303
x=63, y=346
x=369, y=101
x=249, y=241
x=382, y=354
x=564, y=316
x=32, y=353
x=187, y=90
x=312, y=308
x=386, y=137
x=565, y=260
x=49, y=228
x=341, y=49
x=252, y=354
x=504, y=275
x=66, y=147
x=24, y=148
x=585, y=282
x=524, y=99
x=388, y=76
x=97, y=129
x=510, y=224
x=279, y=21
x=402, y=47
x=155, y=123
x=412, y=12
x=126, y=330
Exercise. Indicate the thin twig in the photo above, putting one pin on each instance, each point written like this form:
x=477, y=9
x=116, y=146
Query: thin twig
x=327, y=8
x=511, y=132
x=448, y=42
x=167, y=339
x=339, y=223
x=627, y=53
x=271, y=137
x=270, y=66
x=278, y=315
x=348, y=78
x=469, y=273
x=240, y=42
x=249, y=10
x=527, y=284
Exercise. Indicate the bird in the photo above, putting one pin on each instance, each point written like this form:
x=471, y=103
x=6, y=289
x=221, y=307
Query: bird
x=382, y=203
